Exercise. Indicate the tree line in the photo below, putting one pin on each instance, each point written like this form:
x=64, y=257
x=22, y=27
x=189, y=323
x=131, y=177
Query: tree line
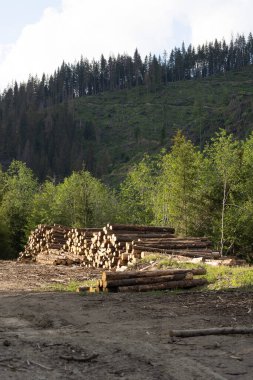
x=200, y=193
x=124, y=71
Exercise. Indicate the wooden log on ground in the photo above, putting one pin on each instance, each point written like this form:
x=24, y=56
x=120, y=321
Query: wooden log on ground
x=164, y=286
x=211, y=331
x=146, y=280
x=106, y=276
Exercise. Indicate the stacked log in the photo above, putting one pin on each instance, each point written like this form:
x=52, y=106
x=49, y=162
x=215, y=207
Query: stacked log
x=44, y=238
x=143, y=281
x=137, y=241
x=112, y=246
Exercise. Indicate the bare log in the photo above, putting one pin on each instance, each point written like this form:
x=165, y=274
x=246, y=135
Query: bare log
x=106, y=276
x=164, y=286
x=211, y=331
x=142, y=248
x=146, y=280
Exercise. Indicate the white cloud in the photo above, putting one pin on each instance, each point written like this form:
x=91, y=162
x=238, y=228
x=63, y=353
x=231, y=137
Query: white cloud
x=219, y=18
x=113, y=26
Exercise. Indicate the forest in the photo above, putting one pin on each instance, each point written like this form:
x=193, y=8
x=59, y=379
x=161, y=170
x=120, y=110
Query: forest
x=84, y=108
x=158, y=141
x=199, y=192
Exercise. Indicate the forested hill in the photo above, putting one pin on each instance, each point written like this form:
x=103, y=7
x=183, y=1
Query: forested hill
x=106, y=114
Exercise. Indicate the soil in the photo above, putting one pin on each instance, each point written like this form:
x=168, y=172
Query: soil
x=60, y=335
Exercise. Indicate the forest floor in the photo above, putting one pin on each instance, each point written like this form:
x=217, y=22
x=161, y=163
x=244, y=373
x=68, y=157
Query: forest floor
x=61, y=335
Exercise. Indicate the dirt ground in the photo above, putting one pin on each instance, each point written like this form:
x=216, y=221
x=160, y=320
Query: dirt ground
x=57, y=335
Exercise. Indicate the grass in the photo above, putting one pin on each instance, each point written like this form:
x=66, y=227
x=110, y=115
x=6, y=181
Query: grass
x=223, y=277
x=218, y=277
x=72, y=286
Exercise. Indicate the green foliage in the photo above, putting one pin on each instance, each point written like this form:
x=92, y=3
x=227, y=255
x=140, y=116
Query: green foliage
x=43, y=209
x=80, y=201
x=225, y=160
x=83, y=201
x=18, y=191
x=137, y=192
x=176, y=194
x=199, y=193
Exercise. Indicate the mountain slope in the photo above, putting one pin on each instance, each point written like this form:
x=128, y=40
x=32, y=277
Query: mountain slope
x=129, y=123
x=110, y=131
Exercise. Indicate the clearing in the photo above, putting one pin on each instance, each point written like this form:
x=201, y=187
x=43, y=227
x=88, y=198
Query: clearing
x=60, y=335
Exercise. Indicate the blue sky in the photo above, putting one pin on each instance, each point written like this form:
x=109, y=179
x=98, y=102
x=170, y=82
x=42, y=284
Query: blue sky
x=16, y=14
x=37, y=35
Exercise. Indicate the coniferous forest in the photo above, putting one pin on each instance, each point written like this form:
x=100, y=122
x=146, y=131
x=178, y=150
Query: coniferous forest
x=172, y=132
x=74, y=117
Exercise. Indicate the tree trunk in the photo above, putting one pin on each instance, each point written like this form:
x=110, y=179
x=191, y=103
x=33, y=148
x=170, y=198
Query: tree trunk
x=163, y=286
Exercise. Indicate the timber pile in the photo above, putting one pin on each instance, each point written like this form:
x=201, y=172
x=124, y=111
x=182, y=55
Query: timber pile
x=143, y=281
x=109, y=247
x=44, y=238
x=137, y=241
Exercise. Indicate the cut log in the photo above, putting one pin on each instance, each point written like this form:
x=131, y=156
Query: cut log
x=106, y=276
x=146, y=280
x=141, y=246
x=187, y=253
x=211, y=331
x=164, y=286
x=111, y=246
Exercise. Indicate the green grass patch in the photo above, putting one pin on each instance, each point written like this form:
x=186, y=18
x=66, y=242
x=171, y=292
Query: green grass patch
x=72, y=286
x=218, y=277
x=223, y=277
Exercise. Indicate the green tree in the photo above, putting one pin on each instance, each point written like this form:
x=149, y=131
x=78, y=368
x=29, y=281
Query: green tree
x=43, y=208
x=176, y=194
x=137, y=192
x=18, y=192
x=243, y=236
x=225, y=158
x=83, y=201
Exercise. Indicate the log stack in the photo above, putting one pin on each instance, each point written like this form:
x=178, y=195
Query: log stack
x=143, y=281
x=44, y=238
x=109, y=247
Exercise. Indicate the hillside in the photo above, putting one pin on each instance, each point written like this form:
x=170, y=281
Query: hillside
x=124, y=125
x=110, y=131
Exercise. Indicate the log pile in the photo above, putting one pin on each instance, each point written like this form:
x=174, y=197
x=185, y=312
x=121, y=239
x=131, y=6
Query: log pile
x=109, y=247
x=143, y=281
x=44, y=238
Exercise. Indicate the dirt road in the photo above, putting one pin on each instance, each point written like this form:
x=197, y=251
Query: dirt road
x=49, y=335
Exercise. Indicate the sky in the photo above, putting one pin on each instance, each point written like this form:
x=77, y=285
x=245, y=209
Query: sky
x=37, y=35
